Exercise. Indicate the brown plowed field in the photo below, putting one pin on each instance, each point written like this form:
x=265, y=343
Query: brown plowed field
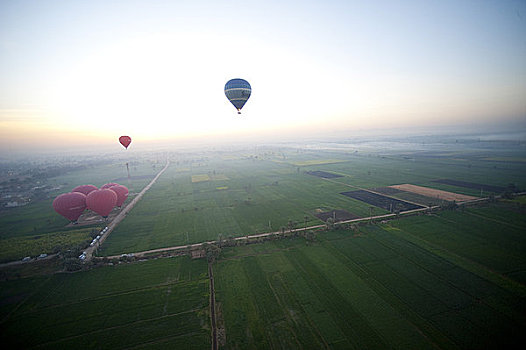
x=430, y=192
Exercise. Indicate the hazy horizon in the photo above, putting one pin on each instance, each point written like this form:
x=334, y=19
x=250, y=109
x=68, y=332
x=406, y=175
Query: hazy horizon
x=485, y=132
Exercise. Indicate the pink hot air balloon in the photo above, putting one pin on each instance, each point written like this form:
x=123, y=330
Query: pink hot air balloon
x=70, y=205
x=101, y=201
x=122, y=193
x=86, y=189
x=125, y=141
x=108, y=185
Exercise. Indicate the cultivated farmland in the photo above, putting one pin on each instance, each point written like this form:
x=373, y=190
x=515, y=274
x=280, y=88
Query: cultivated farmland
x=251, y=197
x=155, y=304
x=399, y=285
x=235, y=194
x=445, y=279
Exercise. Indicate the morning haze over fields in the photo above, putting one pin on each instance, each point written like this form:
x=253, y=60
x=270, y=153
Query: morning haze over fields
x=370, y=195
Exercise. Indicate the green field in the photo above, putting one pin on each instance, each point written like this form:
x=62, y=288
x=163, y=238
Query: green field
x=248, y=195
x=14, y=248
x=449, y=280
x=178, y=211
x=156, y=304
x=422, y=282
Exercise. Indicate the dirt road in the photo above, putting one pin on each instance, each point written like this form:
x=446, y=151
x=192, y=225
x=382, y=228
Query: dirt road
x=89, y=251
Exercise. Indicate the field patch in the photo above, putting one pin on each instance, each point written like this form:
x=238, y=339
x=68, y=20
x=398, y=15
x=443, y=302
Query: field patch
x=208, y=177
x=200, y=178
x=219, y=177
x=472, y=185
x=409, y=284
x=323, y=174
x=16, y=248
x=392, y=287
x=431, y=192
x=337, y=215
x=317, y=162
x=380, y=201
x=163, y=301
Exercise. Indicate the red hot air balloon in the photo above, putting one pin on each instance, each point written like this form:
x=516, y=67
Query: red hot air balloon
x=108, y=185
x=122, y=193
x=125, y=141
x=102, y=201
x=70, y=205
x=86, y=189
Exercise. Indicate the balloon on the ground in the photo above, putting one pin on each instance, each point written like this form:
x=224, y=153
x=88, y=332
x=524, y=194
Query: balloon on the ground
x=86, y=189
x=125, y=141
x=238, y=92
x=108, y=185
x=102, y=201
x=122, y=193
x=70, y=205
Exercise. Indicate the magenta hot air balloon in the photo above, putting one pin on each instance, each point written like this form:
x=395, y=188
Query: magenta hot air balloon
x=108, y=185
x=86, y=189
x=122, y=193
x=70, y=205
x=102, y=201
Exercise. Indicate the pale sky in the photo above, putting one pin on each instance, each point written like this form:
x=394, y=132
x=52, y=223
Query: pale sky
x=92, y=71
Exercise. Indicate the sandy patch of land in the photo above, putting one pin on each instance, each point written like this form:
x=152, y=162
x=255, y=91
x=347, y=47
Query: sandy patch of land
x=431, y=192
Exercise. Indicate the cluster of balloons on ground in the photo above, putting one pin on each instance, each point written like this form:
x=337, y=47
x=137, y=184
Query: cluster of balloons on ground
x=100, y=200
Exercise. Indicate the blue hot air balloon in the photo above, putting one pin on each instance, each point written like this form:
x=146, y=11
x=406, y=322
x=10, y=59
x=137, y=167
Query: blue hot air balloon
x=238, y=91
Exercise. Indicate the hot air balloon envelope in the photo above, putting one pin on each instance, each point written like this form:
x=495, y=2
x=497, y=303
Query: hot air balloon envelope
x=108, y=185
x=86, y=189
x=122, y=193
x=125, y=141
x=238, y=92
x=102, y=201
x=70, y=205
